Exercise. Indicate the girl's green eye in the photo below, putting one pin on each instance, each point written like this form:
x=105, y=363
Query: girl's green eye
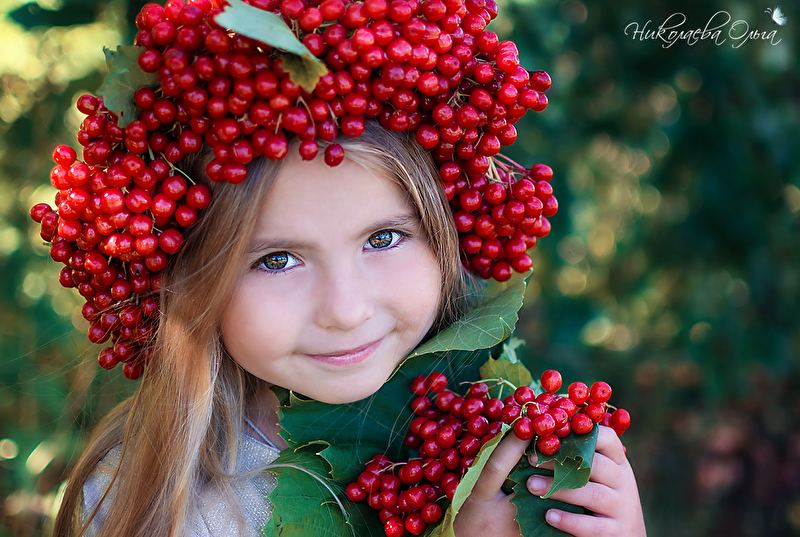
x=383, y=239
x=277, y=261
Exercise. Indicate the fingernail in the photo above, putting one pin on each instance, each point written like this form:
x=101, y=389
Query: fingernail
x=552, y=517
x=537, y=485
x=533, y=460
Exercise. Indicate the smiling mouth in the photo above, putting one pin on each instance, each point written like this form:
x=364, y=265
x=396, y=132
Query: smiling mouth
x=347, y=357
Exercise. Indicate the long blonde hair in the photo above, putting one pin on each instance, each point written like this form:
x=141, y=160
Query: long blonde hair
x=179, y=431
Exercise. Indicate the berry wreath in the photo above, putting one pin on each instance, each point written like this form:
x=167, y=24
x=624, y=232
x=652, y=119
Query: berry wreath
x=243, y=78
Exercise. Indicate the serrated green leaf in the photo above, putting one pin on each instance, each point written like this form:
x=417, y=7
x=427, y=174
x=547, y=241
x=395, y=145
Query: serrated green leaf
x=303, y=505
x=123, y=78
x=568, y=475
x=507, y=366
x=531, y=509
x=573, y=461
x=482, y=327
x=304, y=68
x=572, y=470
x=303, y=71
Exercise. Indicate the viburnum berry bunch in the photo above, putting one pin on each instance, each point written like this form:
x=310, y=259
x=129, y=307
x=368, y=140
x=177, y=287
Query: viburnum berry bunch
x=450, y=430
x=428, y=67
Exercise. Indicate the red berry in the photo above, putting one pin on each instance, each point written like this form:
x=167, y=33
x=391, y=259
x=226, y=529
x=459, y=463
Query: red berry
x=510, y=413
x=595, y=411
x=420, y=385
x=551, y=380
x=560, y=416
x=540, y=80
x=437, y=382
x=544, y=424
x=334, y=155
x=578, y=392
x=414, y=524
x=581, y=423
x=523, y=428
x=431, y=513
x=620, y=419
x=524, y=394
x=600, y=391
x=547, y=445
x=394, y=527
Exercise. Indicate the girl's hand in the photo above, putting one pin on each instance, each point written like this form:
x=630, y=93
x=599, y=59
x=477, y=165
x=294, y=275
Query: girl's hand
x=487, y=510
x=611, y=495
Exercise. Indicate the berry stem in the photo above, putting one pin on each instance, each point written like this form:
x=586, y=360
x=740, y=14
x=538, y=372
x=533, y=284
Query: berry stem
x=497, y=382
x=515, y=164
x=175, y=168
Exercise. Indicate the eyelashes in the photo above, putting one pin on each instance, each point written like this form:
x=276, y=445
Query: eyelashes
x=281, y=261
x=277, y=262
x=385, y=239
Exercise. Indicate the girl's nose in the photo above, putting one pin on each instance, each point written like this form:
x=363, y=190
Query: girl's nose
x=345, y=300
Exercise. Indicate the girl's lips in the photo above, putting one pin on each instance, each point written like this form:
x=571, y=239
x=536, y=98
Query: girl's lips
x=349, y=357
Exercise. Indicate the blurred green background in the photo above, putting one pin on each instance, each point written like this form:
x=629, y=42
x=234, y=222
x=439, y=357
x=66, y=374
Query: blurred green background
x=672, y=272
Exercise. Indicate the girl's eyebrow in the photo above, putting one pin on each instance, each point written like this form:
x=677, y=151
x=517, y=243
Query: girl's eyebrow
x=408, y=220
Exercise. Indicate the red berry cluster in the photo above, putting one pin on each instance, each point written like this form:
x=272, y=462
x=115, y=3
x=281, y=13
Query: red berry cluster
x=551, y=417
x=118, y=217
x=404, y=494
x=499, y=221
x=428, y=67
x=450, y=430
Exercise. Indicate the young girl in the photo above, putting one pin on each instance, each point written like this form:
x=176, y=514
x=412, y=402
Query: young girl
x=315, y=278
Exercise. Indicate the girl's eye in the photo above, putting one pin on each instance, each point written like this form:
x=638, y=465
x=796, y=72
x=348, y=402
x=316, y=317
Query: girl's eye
x=380, y=240
x=278, y=261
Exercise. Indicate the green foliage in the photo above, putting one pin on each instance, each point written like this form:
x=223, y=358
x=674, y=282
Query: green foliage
x=531, y=509
x=573, y=462
x=508, y=367
x=31, y=15
x=302, y=508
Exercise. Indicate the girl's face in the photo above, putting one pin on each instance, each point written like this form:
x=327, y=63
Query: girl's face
x=339, y=285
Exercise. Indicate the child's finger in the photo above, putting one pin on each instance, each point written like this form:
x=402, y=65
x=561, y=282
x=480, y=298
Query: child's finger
x=579, y=525
x=604, y=470
x=500, y=464
x=593, y=496
x=609, y=444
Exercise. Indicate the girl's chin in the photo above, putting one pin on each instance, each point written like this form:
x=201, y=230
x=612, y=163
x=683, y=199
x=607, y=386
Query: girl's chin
x=345, y=394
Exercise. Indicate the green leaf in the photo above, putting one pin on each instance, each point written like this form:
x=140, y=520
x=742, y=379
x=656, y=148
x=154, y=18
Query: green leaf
x=482, y=327
x=531, y=509
x=573, y=461
x=304, y=68
x=572, y=470
x=508, y=367
x=303, y=505
x=303, y=71
x=124, y=77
